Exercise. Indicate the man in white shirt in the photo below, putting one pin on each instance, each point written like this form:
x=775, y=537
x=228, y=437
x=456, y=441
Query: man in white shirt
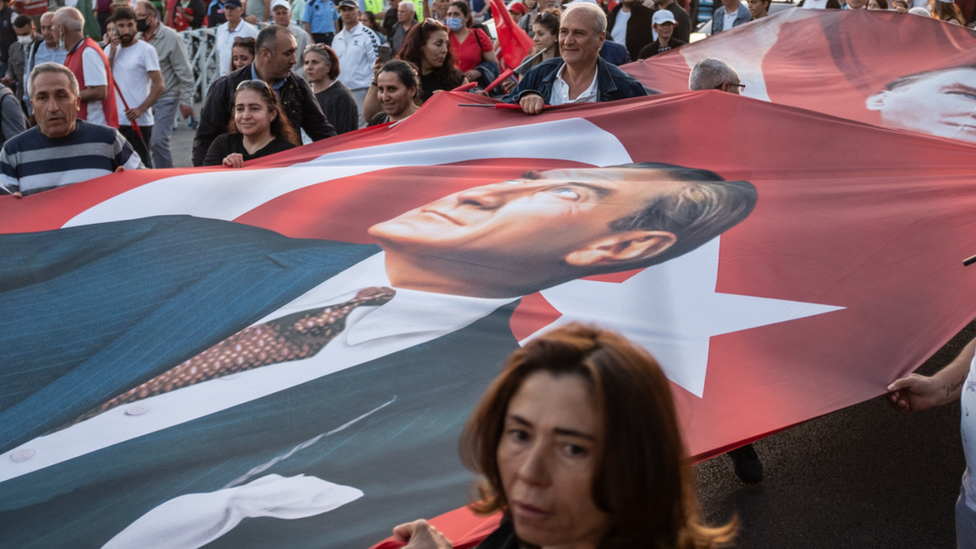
x=138, y=82
x=580, y=75
x=281, y=14
x=732, y=14
x=357, y=48
x=234, y=27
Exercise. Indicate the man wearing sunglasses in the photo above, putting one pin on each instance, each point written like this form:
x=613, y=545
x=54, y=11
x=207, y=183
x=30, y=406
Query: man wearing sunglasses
x=274, y=56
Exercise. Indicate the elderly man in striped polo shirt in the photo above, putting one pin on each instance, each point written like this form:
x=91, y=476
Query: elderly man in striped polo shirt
x=83, y=150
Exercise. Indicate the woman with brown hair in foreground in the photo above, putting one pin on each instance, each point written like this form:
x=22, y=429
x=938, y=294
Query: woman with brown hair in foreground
x=578, y=445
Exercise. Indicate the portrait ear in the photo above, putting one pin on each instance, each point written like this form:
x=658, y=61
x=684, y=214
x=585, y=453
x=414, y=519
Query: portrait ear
x=877, y=101
x=622, y=247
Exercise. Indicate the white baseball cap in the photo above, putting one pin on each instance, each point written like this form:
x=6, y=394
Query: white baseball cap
x=282, y=3
x=660, y=16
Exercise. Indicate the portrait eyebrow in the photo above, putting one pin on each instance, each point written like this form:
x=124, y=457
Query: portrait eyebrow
x=601, y=192
x=558, y=430
x=962, y=87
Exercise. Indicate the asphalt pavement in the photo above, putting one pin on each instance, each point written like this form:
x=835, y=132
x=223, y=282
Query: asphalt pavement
x=862, y=477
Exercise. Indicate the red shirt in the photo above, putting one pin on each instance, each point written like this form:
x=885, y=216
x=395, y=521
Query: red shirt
x=469, y=53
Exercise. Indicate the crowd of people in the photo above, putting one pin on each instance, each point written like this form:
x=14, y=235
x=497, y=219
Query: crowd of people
x=334, y=66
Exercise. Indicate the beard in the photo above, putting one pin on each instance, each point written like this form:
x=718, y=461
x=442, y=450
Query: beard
x=127, y=39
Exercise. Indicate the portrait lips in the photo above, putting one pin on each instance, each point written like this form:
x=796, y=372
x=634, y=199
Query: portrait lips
x=441, y=215
x=530, y=512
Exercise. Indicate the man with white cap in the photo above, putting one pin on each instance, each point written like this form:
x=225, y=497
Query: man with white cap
x=664, y=24
x=234, y=27
x=281, y=14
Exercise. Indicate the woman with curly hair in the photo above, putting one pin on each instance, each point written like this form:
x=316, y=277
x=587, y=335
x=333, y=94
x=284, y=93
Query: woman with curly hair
x=428, y=46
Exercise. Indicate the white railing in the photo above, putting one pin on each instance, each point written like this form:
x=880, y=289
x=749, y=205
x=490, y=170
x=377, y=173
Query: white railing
x=201, y=45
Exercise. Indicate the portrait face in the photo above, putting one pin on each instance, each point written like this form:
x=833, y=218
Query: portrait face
x=542, y=37
x=940, y=103
x=26, y=30
x=394, y=96
x=757, y=8
x=241, y=57
x=436, y=48
x=144, y=14
x=547, y=458
x=277, y=64
x=126, y=29
x=454, y=11
x=316, y=66
x=404, y=14
x=233, y=14
x=664, y=30
x=349, y=16
x=530, y=4
x=440, y=6
x=540, y=223
x=856, y=4
x=55, y=105
x=251, y=114
x=281, y=16
x=47, y=30
x=579, y=43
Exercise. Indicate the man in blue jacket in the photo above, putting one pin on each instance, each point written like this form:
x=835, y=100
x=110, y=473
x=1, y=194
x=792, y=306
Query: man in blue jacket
x=579, y=76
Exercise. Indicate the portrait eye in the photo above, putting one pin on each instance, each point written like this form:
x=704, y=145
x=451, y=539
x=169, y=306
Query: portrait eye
x=964, y=93
x=575, y=451
x=566, y=192
x=513, y=182
x=518, y=435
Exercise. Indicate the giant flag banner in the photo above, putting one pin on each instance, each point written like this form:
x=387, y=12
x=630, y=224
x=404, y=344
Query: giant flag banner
x=284, y=355
x=879, y=67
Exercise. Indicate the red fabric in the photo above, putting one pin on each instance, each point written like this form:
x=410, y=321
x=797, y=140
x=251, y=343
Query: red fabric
x=879, y=234
x=469, y=53
x=75, y=63
x=513, y=43
x=31, y=7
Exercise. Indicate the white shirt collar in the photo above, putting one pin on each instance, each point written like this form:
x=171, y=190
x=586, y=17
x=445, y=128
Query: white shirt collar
x=560, y=90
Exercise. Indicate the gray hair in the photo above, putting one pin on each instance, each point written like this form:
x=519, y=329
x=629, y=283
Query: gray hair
x=54, y=68
x=71, y=18
x=711, y=73
x=408, y=5
x=594, y=11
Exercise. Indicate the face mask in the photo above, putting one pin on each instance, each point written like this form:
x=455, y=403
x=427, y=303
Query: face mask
x=454, y=23
x=142, y=25
x=61, y=40
x=25, y=40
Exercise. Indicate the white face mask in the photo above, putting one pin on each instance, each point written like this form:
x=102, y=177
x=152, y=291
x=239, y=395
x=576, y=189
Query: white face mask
x=25, y=40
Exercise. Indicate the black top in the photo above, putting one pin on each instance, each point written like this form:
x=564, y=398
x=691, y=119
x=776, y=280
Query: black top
x=502, y=538
x=429, y=83
x=381, y=117
x=229, y=143
x=655, y=48
x=340, y=107
x=682, y=31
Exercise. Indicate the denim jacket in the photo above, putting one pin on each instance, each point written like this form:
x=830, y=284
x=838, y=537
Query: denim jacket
x=612, y=83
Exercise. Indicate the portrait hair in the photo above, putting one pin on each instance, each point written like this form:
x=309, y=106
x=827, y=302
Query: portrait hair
x=328, y=55
x=268, y=39
x=465, y=12
x=642, y=478
x=405, y=72
x=710, y=74
x=408, y=6
x=447, y=76
x=71, y=18
x=903, y=81
x=22, y=21
x=50, y=67
x=122, y=14
x=549, y=20
x=596, y=14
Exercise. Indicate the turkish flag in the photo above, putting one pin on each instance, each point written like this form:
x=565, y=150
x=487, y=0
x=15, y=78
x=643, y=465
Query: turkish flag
x=849, y=63
x=513, y=43
x=846, y=275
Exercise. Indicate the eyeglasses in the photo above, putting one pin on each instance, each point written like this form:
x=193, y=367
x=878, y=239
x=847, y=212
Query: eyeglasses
x=243, y=40
x=731, y=85
x=254, y=84
x=434, y=22
x=310, y=47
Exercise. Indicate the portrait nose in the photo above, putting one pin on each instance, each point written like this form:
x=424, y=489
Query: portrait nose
x=490, y=197
x=534, y=469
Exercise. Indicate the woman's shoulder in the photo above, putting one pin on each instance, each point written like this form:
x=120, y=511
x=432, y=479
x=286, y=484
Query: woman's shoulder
x=380, y=118
x=278, y=144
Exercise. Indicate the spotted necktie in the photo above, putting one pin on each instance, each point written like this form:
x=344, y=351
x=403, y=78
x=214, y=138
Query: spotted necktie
x=293, y=337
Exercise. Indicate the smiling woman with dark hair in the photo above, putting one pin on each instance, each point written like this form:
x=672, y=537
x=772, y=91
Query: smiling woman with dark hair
x=578, y=444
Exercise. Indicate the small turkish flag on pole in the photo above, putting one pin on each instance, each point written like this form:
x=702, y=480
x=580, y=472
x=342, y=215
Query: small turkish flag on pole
x=513, y=43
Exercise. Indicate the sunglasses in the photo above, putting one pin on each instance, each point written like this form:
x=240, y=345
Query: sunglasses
x=243, y=40
x=254, y=85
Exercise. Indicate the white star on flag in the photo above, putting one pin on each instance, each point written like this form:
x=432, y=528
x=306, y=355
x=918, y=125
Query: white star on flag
x=672, y=310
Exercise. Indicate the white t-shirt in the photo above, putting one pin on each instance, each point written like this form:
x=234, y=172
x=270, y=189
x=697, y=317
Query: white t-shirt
x=730, y=20
x=131, y=70
x=619, y=32
x=968, y=428
x=225, y=42
x=560, y=91
x=95, y=75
